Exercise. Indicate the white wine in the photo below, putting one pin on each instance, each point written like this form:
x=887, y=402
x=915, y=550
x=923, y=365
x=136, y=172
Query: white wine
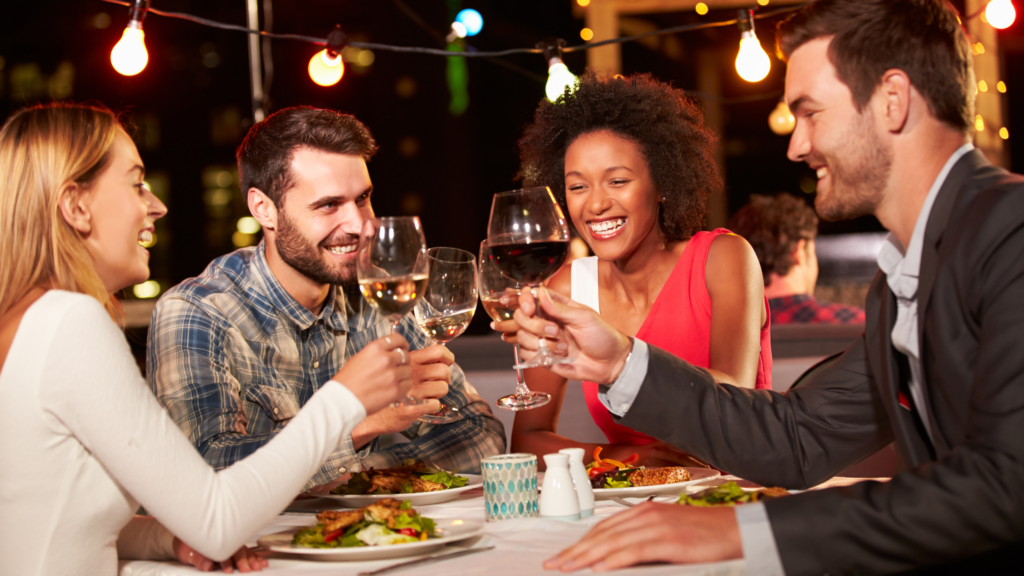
x=443, y=329
x=496, y=310
x=393, y=296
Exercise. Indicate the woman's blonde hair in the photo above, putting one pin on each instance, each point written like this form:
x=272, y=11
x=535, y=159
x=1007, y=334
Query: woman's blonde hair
x=46, y=153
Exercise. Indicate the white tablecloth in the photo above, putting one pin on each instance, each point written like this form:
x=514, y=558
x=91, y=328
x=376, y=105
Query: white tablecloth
x=521, y=546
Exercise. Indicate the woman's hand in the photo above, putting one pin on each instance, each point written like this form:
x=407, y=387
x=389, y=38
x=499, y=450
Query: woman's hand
x=245, y=559
x=379, y=374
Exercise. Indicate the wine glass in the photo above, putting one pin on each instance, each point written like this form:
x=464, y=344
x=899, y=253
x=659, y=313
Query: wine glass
x=500, y=296
x=529, y=241
x=447, y=305
x=392, y=269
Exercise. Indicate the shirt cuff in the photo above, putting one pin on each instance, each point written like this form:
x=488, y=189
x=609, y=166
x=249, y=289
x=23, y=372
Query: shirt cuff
x=618, y=396
x=758, y=540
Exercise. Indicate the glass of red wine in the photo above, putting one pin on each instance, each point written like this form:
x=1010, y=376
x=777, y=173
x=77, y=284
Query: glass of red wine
x=500, y=296
x=529, y=241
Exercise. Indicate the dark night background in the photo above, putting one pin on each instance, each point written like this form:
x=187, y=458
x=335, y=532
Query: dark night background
x=191, y=105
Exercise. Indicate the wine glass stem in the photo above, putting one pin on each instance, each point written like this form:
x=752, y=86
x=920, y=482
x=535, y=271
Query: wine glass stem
x=521, y=389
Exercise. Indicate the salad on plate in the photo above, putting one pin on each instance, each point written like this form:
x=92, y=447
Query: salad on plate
x=383, y=523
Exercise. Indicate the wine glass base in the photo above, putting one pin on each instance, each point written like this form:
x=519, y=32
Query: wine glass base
x=527, y=401
x=446, y=415
x=540, y=361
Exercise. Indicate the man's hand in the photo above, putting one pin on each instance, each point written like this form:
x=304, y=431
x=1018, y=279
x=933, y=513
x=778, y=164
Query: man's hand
x=378, y=374
x=430, y=377
x=655, y=533
x=600, y=350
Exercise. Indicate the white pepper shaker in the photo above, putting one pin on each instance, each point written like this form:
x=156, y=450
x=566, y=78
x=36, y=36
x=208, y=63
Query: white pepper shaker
x=558, y=500
x=580, y=479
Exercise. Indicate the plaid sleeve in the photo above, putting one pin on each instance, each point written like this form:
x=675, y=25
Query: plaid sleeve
x=458, y=445
x=190, y=371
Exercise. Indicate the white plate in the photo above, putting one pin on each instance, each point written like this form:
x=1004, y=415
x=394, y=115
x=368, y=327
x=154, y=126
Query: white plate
x=418, y=499
x=696, y=475
x=448, y=531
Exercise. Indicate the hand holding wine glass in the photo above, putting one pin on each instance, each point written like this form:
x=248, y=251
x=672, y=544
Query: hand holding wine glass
x=500, y=296
x=447, y=305
x=392, y=268
x=528, y=239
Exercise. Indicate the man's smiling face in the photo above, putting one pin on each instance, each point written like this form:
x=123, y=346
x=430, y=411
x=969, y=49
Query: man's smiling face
x=843, y=145
x=322, y=214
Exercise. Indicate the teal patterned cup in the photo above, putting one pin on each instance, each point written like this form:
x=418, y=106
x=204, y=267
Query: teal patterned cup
x=510, y=486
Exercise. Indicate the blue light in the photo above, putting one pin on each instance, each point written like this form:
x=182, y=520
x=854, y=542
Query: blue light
x=472, y=20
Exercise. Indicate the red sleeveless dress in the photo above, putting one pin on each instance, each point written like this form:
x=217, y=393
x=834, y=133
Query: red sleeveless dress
x=680, y=322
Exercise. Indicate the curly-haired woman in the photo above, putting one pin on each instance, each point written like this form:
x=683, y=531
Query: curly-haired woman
x=630, y=160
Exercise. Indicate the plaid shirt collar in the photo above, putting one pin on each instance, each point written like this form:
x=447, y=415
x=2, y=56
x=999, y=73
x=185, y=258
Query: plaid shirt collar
x=283, y=305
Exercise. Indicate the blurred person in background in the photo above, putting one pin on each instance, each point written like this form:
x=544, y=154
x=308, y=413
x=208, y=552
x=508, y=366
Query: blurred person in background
x=782, y=229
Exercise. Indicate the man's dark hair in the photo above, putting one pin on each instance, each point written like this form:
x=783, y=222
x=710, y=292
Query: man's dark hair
x=920, y=37
x=667, y=126
x=774, y=226
x=265, y=156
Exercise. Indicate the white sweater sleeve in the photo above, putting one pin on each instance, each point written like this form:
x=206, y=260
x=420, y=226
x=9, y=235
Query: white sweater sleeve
x=94, y=388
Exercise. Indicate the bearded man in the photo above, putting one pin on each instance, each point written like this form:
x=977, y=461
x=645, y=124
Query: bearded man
x=235, y=352
x=882, y=91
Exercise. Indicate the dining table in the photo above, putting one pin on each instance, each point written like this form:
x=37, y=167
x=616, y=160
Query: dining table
x=520, y=546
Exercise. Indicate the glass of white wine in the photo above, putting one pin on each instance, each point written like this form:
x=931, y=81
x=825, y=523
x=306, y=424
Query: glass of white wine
x=392, y=268
x=500, y=296
x=447, y=305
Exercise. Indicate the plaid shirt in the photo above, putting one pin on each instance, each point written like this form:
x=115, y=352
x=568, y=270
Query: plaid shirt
x=804, y=309
x=232, y=357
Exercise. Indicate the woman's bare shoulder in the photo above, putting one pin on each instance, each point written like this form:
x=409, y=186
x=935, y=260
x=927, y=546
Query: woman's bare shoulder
x=561, y=282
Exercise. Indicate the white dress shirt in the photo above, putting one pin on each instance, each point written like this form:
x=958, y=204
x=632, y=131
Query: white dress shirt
x=902, y=269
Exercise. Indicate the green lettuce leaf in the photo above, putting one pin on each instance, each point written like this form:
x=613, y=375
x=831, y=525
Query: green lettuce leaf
x=450, y=480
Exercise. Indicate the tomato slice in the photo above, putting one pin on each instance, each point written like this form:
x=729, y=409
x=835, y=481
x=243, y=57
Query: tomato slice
x=332, y=536
x=409, y=532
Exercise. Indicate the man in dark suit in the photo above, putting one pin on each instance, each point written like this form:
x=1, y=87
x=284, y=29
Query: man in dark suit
x=882, y=91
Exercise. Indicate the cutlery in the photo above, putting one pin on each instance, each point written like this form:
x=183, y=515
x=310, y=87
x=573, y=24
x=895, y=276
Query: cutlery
x=425, y=560
x=625, y=502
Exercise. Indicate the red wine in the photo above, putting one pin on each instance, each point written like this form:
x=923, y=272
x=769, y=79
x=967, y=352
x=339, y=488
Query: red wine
x=530, y=263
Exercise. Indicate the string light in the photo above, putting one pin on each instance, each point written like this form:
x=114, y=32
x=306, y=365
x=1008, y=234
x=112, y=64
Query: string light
x=1001, y=86
x=129, y=56
x=1000, y=13
x=559, y=76
x=471, y=20
x=326, y=67
x=752, y=62
x=982, y=86
x=1004, y=133
x=979, y=123
x=781, y=120
x=701, y=8
x=587, y=34
x=148, y=289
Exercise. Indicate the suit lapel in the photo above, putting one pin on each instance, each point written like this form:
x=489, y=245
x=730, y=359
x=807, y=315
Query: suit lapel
x=959, y=176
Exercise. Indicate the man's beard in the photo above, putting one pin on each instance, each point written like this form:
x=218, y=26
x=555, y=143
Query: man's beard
x=859, y=179
x=299, y=253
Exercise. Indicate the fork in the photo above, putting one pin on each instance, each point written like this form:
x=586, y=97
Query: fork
x=625, y=502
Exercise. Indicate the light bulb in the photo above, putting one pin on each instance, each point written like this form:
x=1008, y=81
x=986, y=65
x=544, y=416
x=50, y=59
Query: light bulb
x=129, y=55
x=1000, y=13
x=324, y=69
x=472, y=20
x=752, y=63
x=559, y=78
x=781, y=120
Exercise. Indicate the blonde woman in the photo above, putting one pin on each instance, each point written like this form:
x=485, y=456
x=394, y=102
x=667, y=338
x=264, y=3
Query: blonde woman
x=83, y=443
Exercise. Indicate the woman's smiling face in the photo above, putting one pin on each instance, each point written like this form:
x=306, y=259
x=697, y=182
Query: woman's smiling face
x=611, y=197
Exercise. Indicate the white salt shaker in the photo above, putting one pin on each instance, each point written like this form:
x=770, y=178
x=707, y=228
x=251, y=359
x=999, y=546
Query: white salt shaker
x=580, y=479
x=558, y=500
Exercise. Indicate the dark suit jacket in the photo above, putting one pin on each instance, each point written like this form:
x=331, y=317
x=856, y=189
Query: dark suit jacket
x=964, y=492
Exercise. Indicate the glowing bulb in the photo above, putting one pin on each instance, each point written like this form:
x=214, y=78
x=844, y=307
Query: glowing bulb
x=1001, y=86
x=979, y=123
x=248, y=225
x=324, y=69
x=781, y=120
x=472, y=20
x=1004, y=133
x=559, y=78
x=1000, y=13
x=701, y=8
x=752, y=63
x=587, y=34
x=983, y=86
x=583, y=3
x=459, y=29
x=148, y=289
x=129, y=55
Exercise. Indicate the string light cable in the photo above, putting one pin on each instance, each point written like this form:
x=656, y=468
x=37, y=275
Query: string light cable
x=468, y=53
